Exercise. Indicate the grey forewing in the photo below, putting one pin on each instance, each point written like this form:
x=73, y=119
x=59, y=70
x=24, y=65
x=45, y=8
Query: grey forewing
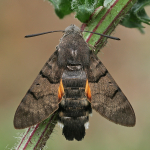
x=107, y=98
x=96, y=69
x=41, y=99
x=51, y=70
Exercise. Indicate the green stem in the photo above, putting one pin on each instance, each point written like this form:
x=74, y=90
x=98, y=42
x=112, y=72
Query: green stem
x=36, y=137
x=104, y=20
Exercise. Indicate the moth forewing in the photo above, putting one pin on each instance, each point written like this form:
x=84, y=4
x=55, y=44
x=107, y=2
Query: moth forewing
x=41, y=99
x=107, y=98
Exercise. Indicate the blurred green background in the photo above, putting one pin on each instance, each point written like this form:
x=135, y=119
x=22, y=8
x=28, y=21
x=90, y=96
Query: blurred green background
x=21, y=59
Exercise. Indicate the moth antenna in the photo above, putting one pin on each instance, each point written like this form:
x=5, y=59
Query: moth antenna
x=111, y=37
x=37, y=34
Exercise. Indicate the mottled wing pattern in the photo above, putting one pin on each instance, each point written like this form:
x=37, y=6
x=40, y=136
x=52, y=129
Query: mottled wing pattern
x=41, y=99
x=107, y=98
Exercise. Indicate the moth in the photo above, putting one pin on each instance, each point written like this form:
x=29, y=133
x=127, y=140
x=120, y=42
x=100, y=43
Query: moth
x=73, y=82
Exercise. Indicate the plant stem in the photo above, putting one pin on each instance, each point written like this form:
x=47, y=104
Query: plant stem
x=36, y=137
x=104, y=20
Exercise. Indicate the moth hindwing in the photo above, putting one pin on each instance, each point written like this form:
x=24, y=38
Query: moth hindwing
x=73, y=82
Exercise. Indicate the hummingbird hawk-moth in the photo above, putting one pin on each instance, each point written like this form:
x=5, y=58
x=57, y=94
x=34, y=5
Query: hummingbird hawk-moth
x=73, y=82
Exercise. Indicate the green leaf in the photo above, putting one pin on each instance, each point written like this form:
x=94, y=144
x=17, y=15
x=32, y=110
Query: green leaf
x=136, y=16
x=84, y=14
x=83, y=8
x=62, y=7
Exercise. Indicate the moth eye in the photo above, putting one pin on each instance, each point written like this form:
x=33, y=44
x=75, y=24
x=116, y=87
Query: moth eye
x=37, y=84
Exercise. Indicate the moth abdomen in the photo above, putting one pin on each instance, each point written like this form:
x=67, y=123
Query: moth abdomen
x=74, y=108
x=74, y=127
x=74, y=78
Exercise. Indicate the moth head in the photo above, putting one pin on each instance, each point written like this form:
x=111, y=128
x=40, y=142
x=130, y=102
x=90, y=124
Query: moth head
x=72, y=29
